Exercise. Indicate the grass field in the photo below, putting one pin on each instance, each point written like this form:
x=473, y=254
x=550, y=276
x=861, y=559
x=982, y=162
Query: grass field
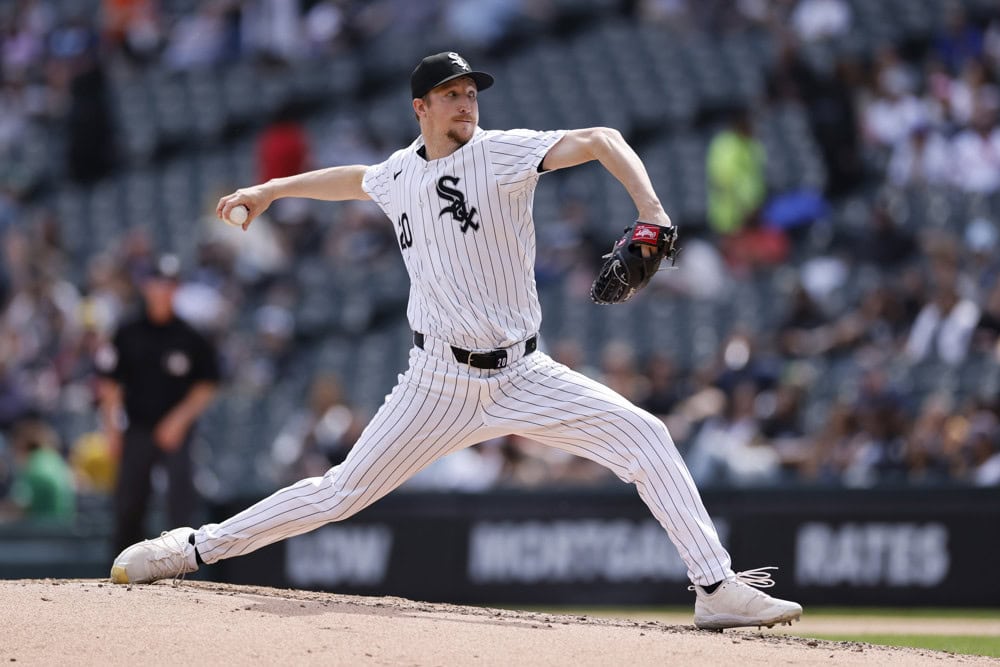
x=964, y=631
x=969, y=644
x=988, y=613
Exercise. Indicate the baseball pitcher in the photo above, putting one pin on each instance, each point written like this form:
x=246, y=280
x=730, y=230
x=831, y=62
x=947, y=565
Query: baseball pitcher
x=460, y=199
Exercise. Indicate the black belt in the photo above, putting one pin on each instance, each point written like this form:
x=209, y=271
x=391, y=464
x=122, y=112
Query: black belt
x=488, y=360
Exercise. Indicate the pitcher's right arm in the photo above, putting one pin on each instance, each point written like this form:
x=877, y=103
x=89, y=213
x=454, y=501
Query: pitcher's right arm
x=330, y=184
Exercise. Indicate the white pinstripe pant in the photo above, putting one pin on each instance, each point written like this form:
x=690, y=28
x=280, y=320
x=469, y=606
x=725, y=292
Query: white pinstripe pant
x=439, y=407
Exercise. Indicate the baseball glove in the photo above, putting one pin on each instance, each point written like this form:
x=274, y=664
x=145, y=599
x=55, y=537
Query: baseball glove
x=625, y=270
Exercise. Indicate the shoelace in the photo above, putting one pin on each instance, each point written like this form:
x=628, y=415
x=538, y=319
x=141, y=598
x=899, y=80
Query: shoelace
x=758, y=577
x=177, y=553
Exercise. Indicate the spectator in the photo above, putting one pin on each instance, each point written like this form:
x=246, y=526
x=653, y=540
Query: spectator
x=158, y=376
x=729, y=448
x=272, y=29
x=982, y=265
x=620, y=372
x=358, y=240
x=134, y=26
x=325, y=25
x=926, y=457
x=198, y=39
x=885, y=243
x=528, y=464
x=877, y=323
x=570, y=352
x=958, y=41
x=671, y=13
x=271, y=346
x=832, y=117
x=937, y=89
x=944, y=327
x=742, y=358
x=815, y=20
x=346, y=140
x=986, y=337
x=755, y=246
x=805, y=331
x=878, y=447
x=984, y=449
x=43, y=484
x=889, y=115
x=976, y=154
x=106, y=293
x=833, y=448
x=565, y=247
x=736, y=184
x=250, y=260
x=283, y=146
x=780, y=411
x=666, y=386
x=90, y=128
x=479, y=24
x=703, y=274
x=317, y=437
x=921, y=159
x=14, y=401
x=469, y=470
x=94, y=466
x=203, y=305
x=968, y=92
x=991, y=43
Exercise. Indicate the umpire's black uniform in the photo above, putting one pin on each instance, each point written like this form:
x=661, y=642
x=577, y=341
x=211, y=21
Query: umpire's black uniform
x=155, y=364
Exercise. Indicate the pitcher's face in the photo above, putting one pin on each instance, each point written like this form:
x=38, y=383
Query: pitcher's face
x=450, y=110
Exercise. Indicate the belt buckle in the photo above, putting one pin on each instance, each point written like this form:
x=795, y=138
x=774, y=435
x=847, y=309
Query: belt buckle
x=495, y=359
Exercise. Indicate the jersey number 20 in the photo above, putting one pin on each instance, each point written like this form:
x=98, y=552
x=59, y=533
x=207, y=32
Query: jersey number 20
x=405, y=235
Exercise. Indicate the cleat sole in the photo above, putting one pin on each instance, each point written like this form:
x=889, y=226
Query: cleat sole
x=718, y=624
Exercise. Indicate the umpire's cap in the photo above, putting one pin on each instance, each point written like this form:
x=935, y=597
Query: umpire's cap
x=166, y=267
x=442, y=67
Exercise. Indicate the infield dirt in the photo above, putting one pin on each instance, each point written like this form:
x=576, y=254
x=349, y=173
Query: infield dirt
x=93, y=622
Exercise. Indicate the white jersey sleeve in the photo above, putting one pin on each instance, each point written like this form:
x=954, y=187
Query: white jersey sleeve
x=516, y=155
x=377, y=182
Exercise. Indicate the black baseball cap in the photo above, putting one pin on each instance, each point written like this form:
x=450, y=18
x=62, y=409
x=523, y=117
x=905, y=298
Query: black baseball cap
x=442, y=67
x=165, y=267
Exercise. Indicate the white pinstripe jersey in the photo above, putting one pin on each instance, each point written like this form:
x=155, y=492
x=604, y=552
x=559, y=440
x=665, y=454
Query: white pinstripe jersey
x=464, y=225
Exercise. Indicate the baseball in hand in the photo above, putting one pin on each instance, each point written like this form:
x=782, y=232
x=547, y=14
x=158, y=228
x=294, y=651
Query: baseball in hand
x=238, y=215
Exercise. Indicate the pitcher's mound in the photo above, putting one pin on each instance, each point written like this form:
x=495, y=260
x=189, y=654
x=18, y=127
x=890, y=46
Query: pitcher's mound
x=192, y=623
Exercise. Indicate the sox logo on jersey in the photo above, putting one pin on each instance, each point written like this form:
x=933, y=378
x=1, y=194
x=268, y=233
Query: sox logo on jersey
x=467, y=217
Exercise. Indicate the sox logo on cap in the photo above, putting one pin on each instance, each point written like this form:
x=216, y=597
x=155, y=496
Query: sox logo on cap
x=458, y=60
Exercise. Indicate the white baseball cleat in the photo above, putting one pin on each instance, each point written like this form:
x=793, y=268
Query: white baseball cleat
x=736, y=603
x=168, y=556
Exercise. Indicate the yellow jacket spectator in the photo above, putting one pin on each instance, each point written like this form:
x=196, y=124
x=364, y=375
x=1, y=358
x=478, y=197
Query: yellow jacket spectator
x=736, y=180
x=94, y=466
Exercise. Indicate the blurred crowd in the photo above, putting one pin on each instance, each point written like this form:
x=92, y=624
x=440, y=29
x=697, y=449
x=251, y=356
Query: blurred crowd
x=768, y=406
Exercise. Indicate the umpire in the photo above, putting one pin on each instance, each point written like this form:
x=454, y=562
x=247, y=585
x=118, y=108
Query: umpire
x=156, y=377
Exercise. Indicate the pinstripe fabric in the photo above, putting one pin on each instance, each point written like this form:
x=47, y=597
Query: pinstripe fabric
x=561, y=408
x=473, y=286
x=440, y=406
x=431, y=412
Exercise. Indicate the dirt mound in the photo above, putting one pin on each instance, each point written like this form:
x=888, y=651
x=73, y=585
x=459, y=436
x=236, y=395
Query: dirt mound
x=93, y=622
